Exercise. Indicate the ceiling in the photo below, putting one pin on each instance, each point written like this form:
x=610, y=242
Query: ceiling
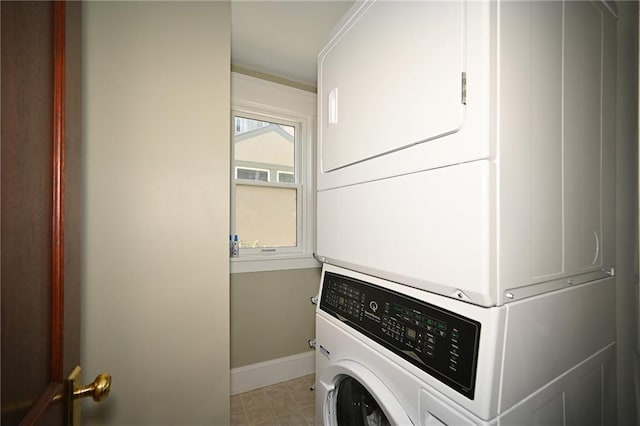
x=282, y=38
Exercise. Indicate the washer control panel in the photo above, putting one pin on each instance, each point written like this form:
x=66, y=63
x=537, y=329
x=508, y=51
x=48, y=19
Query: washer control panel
x=440, y=342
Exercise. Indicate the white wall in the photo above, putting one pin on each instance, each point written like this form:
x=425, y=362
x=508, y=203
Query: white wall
x=156, y=134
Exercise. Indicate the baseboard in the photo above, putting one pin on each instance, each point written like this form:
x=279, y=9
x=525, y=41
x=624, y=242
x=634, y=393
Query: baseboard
x=254, y=376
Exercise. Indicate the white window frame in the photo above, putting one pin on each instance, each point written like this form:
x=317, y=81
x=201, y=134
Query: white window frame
x=267, y=101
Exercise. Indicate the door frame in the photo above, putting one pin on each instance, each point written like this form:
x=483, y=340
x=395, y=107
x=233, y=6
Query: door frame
x=57, y=374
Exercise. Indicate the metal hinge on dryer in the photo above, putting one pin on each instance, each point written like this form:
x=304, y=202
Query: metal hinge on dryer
x=464, y=88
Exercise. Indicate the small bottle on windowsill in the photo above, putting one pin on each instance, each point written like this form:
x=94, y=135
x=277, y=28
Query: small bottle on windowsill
x=235, y=247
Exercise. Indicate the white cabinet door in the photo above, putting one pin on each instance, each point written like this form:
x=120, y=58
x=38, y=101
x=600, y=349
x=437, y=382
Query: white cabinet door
x=389, y=79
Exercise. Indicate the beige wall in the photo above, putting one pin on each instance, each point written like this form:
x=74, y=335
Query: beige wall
x=271, y=314
x=156, y=300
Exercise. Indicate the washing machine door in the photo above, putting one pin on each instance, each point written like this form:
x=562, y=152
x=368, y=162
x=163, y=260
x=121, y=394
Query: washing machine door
x=356, y=406
x=357, y=397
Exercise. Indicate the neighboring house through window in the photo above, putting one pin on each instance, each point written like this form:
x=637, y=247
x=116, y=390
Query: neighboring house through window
x=271, y=183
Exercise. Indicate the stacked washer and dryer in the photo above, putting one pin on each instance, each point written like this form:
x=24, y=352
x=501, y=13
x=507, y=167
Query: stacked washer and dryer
x=465, y=213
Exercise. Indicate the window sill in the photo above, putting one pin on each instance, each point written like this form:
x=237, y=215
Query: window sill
x=276, y=263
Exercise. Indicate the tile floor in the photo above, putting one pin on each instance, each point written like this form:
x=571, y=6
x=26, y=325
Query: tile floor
x=290, y=403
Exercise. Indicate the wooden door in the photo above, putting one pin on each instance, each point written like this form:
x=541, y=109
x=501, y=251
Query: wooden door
x=41, y=211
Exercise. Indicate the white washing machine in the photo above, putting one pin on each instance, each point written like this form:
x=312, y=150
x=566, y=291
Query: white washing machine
x=388, y=355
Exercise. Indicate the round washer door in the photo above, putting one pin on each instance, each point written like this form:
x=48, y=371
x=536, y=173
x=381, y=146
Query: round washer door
x=356, y=397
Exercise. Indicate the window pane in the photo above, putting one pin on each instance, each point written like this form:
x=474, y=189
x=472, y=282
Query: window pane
x=285, y=177
x=252, y=174
x=264, y=145
x=266, y=216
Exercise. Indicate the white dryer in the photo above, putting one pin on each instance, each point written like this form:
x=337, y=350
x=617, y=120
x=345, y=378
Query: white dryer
x=467, y=148
x=389, y=355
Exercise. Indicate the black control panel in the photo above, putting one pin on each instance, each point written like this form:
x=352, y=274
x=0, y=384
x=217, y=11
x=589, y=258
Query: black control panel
x=438, y=341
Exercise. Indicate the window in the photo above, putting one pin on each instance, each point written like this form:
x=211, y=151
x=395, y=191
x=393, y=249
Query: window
x=271, y=183
x=266, y=210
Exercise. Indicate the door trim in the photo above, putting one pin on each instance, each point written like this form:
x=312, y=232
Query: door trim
x=56, y=378
x=57, y=283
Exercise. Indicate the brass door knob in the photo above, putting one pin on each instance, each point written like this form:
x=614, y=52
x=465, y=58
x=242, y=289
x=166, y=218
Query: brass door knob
x=99, y=389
